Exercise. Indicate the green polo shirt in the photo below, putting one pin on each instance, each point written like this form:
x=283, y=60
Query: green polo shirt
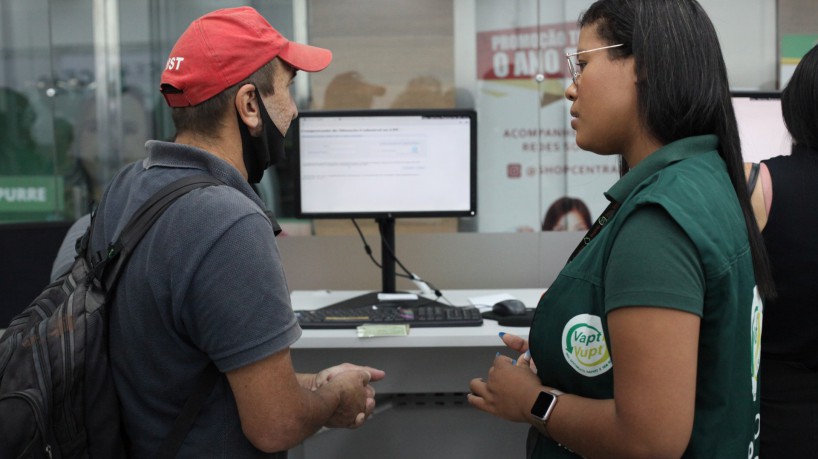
x=677, y=241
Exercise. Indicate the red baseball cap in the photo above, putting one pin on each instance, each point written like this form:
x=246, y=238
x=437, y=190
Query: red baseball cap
x=222, y=48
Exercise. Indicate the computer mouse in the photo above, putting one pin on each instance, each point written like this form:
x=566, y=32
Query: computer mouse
x=510, y=307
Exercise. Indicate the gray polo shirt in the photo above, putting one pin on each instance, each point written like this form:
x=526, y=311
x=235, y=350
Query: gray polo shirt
x=205, y=284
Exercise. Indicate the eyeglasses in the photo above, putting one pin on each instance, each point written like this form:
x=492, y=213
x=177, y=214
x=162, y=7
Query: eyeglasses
x=575, y=67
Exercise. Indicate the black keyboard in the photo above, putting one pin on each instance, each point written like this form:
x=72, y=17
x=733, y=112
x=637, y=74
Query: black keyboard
x=431, y=315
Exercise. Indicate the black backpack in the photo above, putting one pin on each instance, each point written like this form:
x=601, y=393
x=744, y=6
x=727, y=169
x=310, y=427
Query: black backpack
x=57, y=397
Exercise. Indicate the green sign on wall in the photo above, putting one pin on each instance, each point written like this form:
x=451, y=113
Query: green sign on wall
x=793, y=47
x=31, y=193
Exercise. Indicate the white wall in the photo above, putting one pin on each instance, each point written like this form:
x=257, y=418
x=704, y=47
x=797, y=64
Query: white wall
x=446, y=260
x=747, y=31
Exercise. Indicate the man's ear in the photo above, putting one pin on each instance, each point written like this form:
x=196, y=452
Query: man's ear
x=247, y=107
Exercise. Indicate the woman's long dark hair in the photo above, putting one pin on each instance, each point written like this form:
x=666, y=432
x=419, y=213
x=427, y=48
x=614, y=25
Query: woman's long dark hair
x=799, y=104
x=682, y=87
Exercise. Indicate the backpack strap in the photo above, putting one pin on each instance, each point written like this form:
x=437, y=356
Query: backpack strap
x=119, y=252
x=139, y=224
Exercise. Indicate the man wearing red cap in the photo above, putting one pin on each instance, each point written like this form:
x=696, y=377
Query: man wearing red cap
x=206, y=286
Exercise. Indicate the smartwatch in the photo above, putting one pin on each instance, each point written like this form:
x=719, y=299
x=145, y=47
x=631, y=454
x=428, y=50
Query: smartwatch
x=545, y=404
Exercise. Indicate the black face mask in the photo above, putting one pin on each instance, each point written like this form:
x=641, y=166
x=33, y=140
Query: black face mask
x=263, y=151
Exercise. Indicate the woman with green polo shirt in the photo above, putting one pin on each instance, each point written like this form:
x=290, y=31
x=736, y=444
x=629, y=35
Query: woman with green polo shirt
x=647, y=343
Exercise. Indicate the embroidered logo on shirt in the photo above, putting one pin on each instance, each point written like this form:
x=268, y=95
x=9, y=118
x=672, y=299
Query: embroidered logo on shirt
x=584, y=345
x=755, y=338
x=755, y=343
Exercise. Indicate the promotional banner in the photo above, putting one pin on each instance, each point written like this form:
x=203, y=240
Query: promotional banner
x=540, y=179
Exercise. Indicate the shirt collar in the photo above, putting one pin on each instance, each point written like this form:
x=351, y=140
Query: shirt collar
x=658, y=160
x=176, y=155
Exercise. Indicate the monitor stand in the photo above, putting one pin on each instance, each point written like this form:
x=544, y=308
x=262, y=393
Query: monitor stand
x=387, y=231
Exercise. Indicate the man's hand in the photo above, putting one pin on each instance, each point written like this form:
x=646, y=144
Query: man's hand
x=322, y=378
x=355, y=398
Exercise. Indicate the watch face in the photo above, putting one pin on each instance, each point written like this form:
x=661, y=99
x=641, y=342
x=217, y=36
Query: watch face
x=542, y=407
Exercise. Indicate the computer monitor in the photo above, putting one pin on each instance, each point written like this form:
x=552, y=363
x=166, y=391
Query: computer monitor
x=28, y=252
x=761, y=125
x=386, y=164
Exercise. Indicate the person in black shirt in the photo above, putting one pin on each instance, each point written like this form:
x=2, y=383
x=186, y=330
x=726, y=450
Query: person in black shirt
x=787, y=214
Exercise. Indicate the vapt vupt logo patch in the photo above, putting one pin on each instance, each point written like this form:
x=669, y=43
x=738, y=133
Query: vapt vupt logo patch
x=755, y=338
x=584, y=345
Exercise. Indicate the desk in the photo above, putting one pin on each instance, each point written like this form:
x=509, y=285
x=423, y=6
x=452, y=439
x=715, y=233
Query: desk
x=422, y=410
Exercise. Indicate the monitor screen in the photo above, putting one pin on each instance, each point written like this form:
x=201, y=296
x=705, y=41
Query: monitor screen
x=386, y=163
x=761, y=125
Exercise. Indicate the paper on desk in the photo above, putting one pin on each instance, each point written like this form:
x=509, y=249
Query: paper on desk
x=485, y=302
x=397, y=296
x=375, y=330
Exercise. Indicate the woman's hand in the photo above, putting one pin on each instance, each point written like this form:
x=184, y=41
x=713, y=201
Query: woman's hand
x=510, y=389
x=520, y=345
